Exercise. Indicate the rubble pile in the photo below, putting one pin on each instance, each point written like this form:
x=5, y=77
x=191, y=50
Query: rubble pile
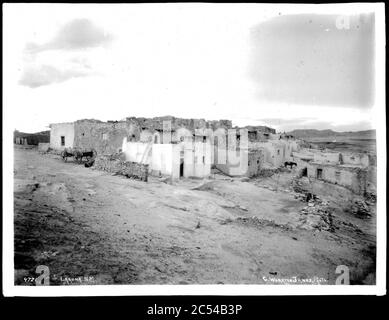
x=370, y=197
x=306, y=197
x=316, y=215
x=260, y=223
x=298, y=187
x=268, y=172
x=359, y=208
x=115, y=164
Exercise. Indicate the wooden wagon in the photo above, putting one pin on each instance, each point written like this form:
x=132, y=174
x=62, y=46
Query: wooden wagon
x=78, y=154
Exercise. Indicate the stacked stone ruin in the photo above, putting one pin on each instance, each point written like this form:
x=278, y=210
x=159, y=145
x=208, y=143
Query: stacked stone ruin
x=116, y=165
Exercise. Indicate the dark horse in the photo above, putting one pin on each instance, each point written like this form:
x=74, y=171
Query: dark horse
x=66, y=154
x=290, y=164
x=78, y=155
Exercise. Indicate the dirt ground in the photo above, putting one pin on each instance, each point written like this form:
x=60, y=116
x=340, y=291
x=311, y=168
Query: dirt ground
x=90, y=227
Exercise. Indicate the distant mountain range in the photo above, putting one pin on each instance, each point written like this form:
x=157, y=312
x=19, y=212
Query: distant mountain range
x=313, y=133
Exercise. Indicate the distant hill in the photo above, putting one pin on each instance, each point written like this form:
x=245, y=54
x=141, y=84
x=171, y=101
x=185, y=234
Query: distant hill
x=31, y=138
x=313, y=133
x=18, y=134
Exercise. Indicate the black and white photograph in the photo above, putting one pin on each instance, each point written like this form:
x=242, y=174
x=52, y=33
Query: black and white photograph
x=194, y=148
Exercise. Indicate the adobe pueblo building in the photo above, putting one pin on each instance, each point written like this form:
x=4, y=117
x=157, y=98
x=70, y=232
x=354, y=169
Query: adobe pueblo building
x=176, y=147
x=353, y=171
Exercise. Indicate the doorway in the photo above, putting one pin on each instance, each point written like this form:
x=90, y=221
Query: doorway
x=182, y=169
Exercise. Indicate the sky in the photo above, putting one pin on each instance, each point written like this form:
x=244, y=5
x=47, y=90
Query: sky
x=254, y=64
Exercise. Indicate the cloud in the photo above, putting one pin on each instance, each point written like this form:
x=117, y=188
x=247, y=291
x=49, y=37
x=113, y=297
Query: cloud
x=76, y=34
x=38, y=76
x=66, y=56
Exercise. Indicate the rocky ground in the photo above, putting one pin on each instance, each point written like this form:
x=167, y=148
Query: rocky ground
x=92, y=227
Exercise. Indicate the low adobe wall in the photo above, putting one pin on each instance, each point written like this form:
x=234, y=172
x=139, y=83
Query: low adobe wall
x=126, y=168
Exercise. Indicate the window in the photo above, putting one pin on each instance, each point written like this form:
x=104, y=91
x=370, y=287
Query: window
x=203, y=159
x=204, y=139
x=319, y=173
x=257, y=161
x=278, y=152
x=337, y=174
x=62, y=140
x=105, y=136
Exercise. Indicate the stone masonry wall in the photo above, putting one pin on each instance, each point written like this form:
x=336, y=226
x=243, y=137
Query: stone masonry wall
x=125, y=168
x=104, y=137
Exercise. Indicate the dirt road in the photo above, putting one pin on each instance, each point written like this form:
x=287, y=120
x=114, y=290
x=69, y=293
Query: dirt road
x=90, y=227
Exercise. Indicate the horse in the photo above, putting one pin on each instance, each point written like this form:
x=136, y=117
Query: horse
x=78, y=155
x=66, y=154
x=290, y=163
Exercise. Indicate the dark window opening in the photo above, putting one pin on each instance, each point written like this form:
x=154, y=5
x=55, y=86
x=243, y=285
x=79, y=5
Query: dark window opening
x=204, y=139
x=319, y=173
x=253, y=135
x=62, y=140
x=304, y=172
